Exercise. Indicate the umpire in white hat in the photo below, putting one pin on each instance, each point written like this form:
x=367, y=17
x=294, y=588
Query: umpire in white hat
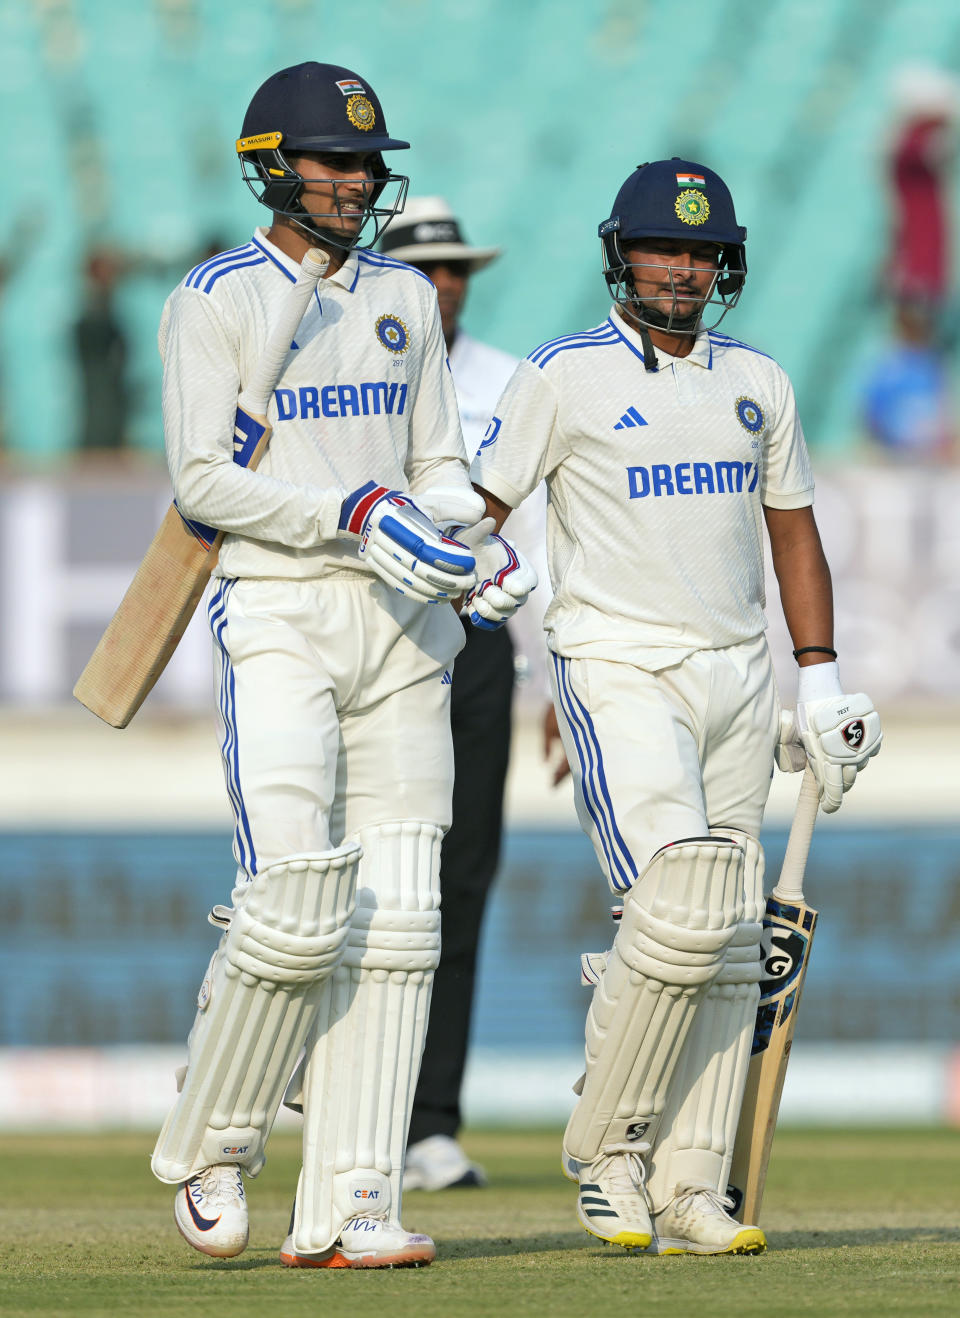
x=428, y=236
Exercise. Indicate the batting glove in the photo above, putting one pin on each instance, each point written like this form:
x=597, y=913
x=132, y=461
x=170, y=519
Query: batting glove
x=839, y=732
x=790, y=753
x=504, y=577
x=404, y=547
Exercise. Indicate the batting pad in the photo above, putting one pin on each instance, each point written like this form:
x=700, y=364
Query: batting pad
x=287, y=933
x=700, y=1116
x=678, y=921
x=364, y=1049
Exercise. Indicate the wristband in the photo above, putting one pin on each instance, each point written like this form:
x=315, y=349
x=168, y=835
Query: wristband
x=814, y=649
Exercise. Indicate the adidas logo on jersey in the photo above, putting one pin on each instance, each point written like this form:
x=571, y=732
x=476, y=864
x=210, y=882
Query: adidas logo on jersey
x=630, y=418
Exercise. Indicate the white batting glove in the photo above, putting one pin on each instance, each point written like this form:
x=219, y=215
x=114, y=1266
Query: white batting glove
x=451, y=505
x=839, y=732
x=790, y=754
x=404, y=547
x=504, y=577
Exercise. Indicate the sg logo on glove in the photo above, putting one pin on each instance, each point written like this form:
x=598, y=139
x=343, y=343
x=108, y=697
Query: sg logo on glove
x=853, y=733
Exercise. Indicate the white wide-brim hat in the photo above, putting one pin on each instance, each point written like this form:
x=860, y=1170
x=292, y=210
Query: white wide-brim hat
x=427, y=230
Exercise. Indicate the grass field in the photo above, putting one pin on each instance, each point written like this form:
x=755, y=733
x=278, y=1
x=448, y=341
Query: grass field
x=864, y=1223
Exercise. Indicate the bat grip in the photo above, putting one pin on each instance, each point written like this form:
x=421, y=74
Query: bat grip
x=256, y=395
x=790, y=884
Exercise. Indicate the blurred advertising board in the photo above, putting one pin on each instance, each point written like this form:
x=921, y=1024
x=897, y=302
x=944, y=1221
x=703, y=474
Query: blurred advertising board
x=68, y=548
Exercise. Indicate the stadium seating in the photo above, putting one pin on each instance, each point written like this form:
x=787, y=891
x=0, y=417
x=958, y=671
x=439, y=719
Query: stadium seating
x=121, y=121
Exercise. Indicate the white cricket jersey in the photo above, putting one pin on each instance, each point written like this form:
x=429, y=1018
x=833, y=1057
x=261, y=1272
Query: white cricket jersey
x=655, y=484
x=480, y=375
x=365, y=394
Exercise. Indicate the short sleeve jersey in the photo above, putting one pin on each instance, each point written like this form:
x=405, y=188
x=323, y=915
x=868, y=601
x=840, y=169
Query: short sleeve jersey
x=480, y=375
x=365, y=394
x=656, y=482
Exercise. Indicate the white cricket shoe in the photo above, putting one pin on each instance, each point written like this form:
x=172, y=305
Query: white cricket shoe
x=439, y=1163
x=612, y=1204
x=211, y=1211
x=366, y=1242
x=696, y=1221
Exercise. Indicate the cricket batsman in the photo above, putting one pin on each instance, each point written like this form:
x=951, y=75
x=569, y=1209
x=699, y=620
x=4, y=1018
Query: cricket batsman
x=333, y=644
x=666, y=446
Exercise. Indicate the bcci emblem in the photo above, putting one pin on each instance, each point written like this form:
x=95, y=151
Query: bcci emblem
x=361, y=113
x=750, y=415
x=692, y=207
x=203, y=997
x=392, y=333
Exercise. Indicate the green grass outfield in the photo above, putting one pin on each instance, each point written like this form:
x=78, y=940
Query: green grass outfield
x=860, y=1222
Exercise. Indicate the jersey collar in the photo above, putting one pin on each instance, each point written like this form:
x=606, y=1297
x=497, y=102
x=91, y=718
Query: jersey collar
x=346, y=276
x=700, y=355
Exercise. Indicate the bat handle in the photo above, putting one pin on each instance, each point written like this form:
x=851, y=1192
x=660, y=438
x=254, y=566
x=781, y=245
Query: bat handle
x=790, y=885
x=256, y=395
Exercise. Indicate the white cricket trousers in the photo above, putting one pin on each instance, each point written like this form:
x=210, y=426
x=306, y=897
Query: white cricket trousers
x=667, y=755
x=333, y=697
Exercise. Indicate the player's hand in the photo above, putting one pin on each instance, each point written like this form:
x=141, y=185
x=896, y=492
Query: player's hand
x=403, y=547
x=790, y=753
x=840, y=734
x=504, y=577
x=552, y=738
x=451, y=505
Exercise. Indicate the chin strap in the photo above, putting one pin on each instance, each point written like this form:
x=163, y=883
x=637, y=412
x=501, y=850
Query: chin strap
x=650, y=362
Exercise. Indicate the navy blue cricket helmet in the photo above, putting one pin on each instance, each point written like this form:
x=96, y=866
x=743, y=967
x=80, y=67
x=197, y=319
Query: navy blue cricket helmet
x=674, y=199
x=324, y=108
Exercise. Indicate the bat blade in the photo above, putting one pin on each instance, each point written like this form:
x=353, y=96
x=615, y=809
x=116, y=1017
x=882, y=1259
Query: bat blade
x=169, y=583
x=787, y=939
x=788, y=928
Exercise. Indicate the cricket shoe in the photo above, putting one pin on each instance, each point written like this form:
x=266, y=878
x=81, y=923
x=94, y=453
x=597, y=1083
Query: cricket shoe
x=612, y=1203
x=439, y=1163
x=366, y=1242
x=696, y=1221
x=211, y=1211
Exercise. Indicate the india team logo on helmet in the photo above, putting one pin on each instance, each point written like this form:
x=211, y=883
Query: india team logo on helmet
x=361, y=113
x=692, y=207
x=392, y=333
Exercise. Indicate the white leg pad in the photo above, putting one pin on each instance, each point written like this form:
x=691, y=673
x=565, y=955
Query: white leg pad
x=678, y=920
x=287, y=933
x=364, y=1050
x=699, y=1122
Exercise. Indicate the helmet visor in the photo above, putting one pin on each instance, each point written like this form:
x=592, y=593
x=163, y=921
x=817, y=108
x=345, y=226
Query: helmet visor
x=344, y=211
x=670, y=291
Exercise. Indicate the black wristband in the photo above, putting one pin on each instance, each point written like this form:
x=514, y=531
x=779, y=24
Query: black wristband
x=814, y=649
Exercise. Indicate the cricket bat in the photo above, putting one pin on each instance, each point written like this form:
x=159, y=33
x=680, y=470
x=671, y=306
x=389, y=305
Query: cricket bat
x=163, y=595
x=788, y=926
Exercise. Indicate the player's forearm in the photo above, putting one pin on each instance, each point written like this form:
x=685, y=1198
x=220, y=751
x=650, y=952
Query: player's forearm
x=806, y=590
x=219, y=493
x=496, y=509
x=446, y=471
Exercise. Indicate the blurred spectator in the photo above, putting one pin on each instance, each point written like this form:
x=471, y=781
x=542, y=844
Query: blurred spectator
x=13, y=257
x=428, y=235
x=907, y=403
x=927, y=105
x=907, y=400
x=100, y=344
